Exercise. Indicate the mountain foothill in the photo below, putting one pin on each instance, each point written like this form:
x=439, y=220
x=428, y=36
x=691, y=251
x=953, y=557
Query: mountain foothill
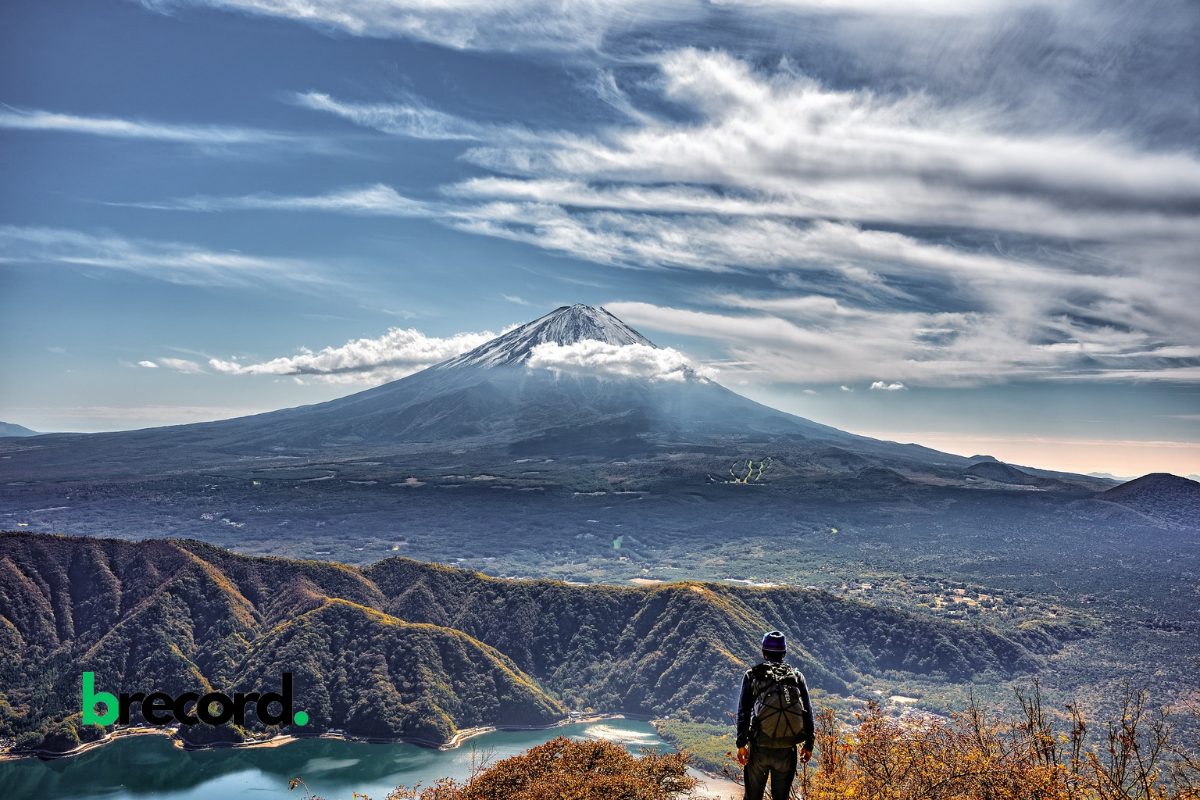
x=406, y=649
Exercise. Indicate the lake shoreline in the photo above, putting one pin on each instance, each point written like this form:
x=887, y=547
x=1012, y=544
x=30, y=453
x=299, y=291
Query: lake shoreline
x=286, y=738
x=710, y=787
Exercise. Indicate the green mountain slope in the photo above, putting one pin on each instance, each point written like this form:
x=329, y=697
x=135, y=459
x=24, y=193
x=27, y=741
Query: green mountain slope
x=682, y=647
x=415, y=650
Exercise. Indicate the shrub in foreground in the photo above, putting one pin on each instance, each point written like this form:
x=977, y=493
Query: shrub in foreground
x=565, y=769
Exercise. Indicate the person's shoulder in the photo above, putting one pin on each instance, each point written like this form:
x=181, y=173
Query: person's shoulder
x=799, y=675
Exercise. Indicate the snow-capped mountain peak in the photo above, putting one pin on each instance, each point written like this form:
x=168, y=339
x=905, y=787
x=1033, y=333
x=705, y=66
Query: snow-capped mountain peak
x=563, y=326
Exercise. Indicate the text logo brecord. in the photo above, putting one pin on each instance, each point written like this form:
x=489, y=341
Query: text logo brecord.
x=159, y=708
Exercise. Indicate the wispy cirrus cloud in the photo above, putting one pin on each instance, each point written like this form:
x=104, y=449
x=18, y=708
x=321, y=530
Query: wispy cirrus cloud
x=781, y=144
x=200, y=135
x=174, y=262
x=821, y=340
x=506, y=25
x=377, y=200
x=411, y=119
x=399, y=352
x=184, y=365
x=514, y=25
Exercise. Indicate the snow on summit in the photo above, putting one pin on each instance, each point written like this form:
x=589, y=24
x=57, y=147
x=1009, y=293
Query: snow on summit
x=564, y=326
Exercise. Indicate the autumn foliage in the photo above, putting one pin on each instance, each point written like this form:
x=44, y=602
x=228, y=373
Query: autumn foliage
x=973, y=758
x=565, y=769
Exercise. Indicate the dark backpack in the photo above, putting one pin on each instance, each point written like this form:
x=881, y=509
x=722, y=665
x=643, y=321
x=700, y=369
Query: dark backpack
x=779, y=711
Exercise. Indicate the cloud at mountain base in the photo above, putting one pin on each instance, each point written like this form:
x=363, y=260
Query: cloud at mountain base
x=591, y=357
x=399, y=352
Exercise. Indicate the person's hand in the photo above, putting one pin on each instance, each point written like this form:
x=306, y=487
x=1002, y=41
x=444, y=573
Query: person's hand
x=743, y=755
x=805, y=754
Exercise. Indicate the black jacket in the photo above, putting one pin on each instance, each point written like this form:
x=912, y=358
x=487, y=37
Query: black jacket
x=745, y=712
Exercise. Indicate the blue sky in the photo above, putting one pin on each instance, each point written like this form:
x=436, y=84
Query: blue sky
x=975, y=229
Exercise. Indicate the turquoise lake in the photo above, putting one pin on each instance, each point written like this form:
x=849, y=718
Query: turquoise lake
x=151, y=767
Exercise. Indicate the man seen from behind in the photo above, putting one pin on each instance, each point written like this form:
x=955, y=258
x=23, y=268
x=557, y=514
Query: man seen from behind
x=774, y=716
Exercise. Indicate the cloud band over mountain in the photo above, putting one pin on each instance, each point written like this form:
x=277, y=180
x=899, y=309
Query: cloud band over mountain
x=590, y=357
x=397, y=353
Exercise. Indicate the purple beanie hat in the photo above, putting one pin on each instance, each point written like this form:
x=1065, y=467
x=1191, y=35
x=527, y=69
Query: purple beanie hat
x=774, y=642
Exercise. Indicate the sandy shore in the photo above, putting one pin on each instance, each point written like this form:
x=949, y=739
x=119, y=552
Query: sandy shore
x=715, y=787
x=125, y=733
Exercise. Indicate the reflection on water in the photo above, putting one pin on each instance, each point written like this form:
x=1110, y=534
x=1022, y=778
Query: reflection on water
x=145, y=766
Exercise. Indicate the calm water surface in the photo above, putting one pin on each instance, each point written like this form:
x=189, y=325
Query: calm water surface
x=150, y=767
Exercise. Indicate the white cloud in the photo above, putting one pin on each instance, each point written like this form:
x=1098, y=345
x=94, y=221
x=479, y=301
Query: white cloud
x=397, y=353
x=403, y=351
x=887, y=387
x=514, y=299
x=209, y=135
x=174, y=262
x=413, y=119
x=846, y=388
x=591, y=357
x=148, y=364
x=781, y=144
x=512, y=25
x=818, y=339
x=401, y=119
x=507, y=25
x=180, y=365
x=376, y=200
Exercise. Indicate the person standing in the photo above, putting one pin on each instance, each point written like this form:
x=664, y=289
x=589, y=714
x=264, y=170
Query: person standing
x=774, y=716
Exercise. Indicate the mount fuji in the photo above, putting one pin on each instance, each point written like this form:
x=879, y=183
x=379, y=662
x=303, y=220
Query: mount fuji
x=575, y=383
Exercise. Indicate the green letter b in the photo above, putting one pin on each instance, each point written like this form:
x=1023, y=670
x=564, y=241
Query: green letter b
x=91, y=698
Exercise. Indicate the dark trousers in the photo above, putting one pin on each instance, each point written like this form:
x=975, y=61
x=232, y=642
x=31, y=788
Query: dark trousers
x=779, y=763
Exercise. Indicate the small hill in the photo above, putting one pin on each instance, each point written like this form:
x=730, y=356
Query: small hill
x=1000, y=472
x=1164, y=497
x=11, y=429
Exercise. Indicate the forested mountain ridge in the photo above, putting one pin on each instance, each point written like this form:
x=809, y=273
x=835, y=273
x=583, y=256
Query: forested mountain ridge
x=408, y=649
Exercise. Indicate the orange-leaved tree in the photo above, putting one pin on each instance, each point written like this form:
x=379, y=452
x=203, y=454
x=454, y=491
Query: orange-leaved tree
x=566, y=769
x=971, y=757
